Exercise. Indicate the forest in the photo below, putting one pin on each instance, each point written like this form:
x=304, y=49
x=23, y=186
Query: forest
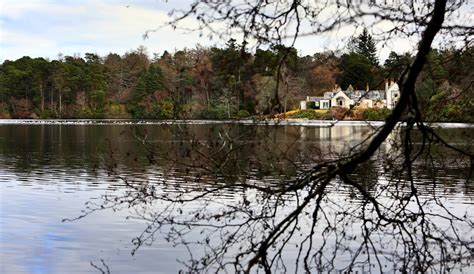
x=231, y=82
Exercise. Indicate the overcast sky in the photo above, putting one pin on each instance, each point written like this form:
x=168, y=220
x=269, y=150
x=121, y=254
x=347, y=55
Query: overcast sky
x=48, y=27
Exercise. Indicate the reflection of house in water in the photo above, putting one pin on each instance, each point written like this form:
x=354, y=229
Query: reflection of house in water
x=360, y=98
x=338, y=138
x=324, y=133
x=339, y=132
x=344, y=138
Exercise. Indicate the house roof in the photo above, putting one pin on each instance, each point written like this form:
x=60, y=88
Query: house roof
x=329, y=94
x=371, y=94
x=317, y=98
x=343, y=93
x=357, y=94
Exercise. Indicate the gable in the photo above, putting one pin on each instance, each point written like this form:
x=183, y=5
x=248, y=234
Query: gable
x=394, y=88
x=341, y=94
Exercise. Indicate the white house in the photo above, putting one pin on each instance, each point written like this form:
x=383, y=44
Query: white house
x=387, y=98
x=303, y=105
x=340, y=99
x=319, y=102
x=392, y=93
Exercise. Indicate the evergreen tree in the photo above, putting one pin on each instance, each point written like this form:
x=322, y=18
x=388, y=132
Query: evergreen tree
x=154, y=79
x=365, y=46
x=357, y=71
x=265, y=62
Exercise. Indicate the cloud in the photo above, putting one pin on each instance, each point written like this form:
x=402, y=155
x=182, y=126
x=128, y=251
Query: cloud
x=69, y=27
x=48, y=27
x=11, y=41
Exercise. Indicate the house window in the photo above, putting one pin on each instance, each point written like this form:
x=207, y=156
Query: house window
x=395, y=95
x=340, y=102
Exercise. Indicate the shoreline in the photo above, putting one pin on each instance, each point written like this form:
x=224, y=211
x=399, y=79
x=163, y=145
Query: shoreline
x=268, y=122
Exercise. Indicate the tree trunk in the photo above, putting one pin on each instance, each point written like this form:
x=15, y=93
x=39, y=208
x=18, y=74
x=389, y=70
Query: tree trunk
x=51, y=100
x=60, y=103
x=42, y=96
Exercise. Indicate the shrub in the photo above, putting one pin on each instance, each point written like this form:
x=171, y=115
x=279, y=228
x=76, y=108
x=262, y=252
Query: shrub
x=338, y=113
x=116, y=110
x=215, y=112
x=243, y=114
x=307, y=114
x=167, y=110
x=47, y=114
x=87, y=113
x=193, y=109
x=374, y=114
x=4, y=113
x=357, y=114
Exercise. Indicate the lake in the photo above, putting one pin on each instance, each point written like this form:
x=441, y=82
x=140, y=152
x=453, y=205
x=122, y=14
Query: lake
x=53, y=173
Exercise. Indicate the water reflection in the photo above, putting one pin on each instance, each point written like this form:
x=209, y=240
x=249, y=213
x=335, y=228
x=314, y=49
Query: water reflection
x=48, y=172
x=38, y=148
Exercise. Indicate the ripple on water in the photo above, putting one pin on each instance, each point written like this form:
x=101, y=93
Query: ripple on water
x=40, y=185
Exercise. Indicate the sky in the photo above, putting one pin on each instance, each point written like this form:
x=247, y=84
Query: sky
x=46, y=28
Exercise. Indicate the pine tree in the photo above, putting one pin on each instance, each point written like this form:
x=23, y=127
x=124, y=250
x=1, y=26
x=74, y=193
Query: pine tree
x=356, y=71
x=365, y=46
x=153, y=79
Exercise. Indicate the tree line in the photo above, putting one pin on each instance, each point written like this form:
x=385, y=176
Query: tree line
x=222, y=83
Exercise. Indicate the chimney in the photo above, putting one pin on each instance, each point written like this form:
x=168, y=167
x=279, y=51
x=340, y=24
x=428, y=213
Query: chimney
x=386, y=84
x=367, y=86
x=391, y=81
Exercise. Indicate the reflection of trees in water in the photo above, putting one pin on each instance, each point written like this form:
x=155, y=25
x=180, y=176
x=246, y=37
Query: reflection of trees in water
x=33, y=147
x=234, y=193
x=231, y=151
x=238, y=197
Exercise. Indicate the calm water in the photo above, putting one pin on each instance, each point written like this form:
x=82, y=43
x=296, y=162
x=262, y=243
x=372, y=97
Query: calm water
x=49, y=172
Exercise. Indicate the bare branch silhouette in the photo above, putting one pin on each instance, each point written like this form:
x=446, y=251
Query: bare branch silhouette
x=359, y=206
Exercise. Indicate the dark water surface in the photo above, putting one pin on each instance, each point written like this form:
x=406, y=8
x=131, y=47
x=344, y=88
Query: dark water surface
x=49, y=172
